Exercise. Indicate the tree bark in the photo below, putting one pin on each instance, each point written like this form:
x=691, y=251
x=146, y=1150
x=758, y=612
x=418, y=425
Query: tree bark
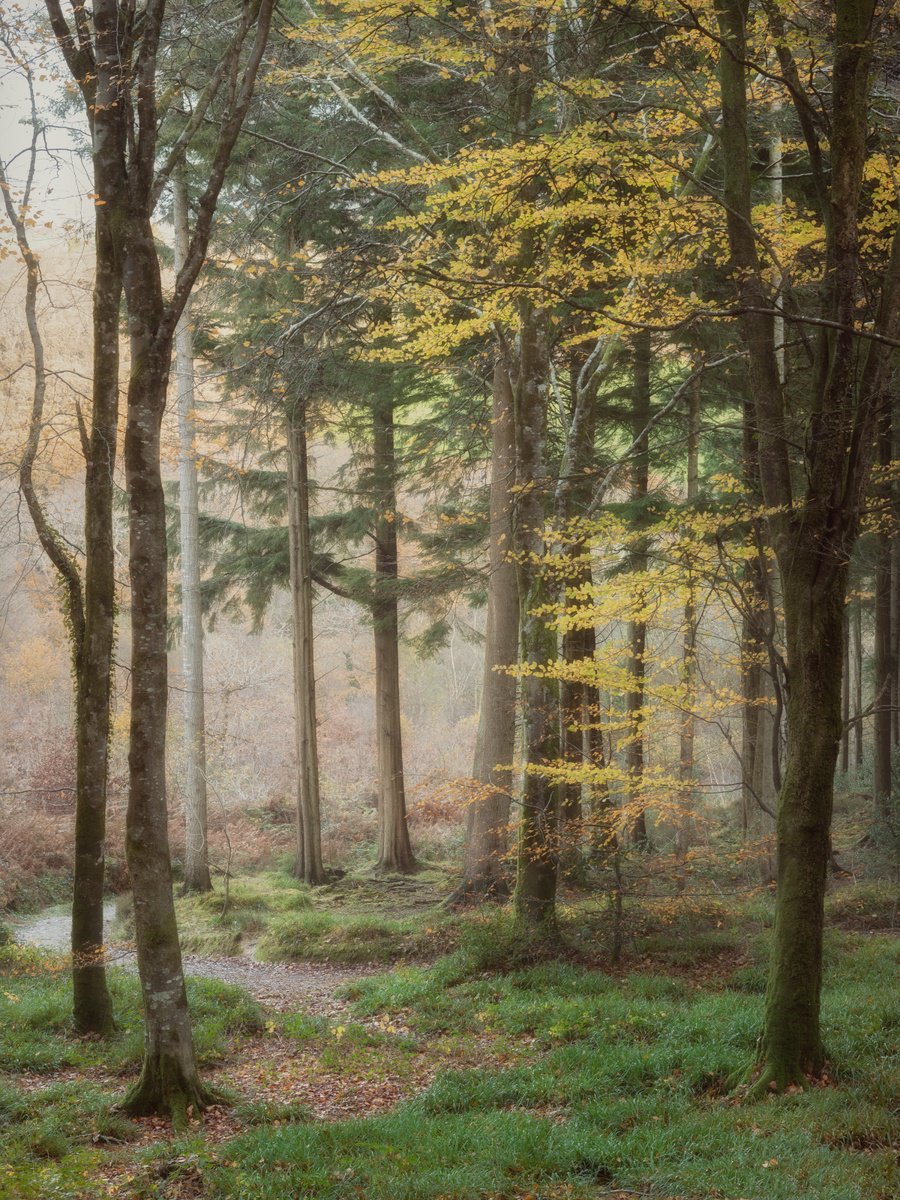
x=637, y=628
x=538, y=850
x=196, y=837
x=858, y=684
x=394, y=849
x=845, y=698
x=169, y=1081
x=814, y=530
x=685, y=818
x=308, y=866
x=484, y=877
x=89, y=602
x=885, y=671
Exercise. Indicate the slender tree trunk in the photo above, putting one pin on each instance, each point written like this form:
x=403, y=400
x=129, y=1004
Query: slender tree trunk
x=895, y=637
x=637, y=628
x=89, y=602
x=812, y=515
x=309, y=834
x=196, y=837
x=538, y=854
x=488, y=814
x=394, y=849
x=92, y=1003
x=858, y=683
x=885, y=671
x=792, y=1040
x=689, y=649
x=845, y=697
x=169, y=1081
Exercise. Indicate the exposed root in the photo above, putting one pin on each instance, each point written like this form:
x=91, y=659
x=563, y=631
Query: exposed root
x=164, y=1089
x=776, y=1079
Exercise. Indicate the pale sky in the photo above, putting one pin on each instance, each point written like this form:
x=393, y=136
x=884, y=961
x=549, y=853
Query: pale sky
x=62, y=182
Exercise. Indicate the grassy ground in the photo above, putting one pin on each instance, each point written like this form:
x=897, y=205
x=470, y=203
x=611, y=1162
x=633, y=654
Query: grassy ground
x=498, y=1072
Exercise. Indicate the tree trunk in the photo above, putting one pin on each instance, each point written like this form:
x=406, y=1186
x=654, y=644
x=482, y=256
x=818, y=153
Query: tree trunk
x=538, y=852
x=637, y=628
x=884, y=666
x=685, y=818
x=488, y=815
x=858, y=683
x=196, y=835
x=89, y=602
x=895, y=637
x=814, y=627
x=394, y=849
x=169, y=1082
x=92, y=1003
x=308, y=866
x=845, y=698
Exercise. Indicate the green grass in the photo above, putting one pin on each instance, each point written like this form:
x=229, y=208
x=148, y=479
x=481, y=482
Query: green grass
x=551, y=1075
x=604, y=1082
x=52, y=1136
x=36, y=1020
x=212, y=926
x=340, y=938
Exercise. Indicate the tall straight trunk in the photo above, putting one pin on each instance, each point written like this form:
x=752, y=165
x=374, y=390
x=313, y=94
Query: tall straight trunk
x=394, y=849
x=88, y=598
x=858, y=684
x=112, y=56
x=845, y=698
x=196, y=836
x=488, y=815
x=812, y=515
x=814, y=637
x=895, y=635
x=92, y=1003
x=574, y=494
x=685, y=819
x=538, y=852
x=169, y=1081
x=572, y=705
x=637, y=628
x=308, y=866
x=885, y=671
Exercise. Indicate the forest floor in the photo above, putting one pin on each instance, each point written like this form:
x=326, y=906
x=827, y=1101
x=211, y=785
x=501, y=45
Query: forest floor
x=496, y=1072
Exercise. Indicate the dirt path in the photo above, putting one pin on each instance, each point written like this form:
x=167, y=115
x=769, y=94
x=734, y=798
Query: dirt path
x=278, y=985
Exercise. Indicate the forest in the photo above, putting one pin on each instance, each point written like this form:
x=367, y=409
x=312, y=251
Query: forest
x=450, y=578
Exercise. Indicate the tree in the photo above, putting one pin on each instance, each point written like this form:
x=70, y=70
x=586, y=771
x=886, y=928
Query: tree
x=814, y=517
x=113, y=56
x=196, y=837
x=488, y=813
x=89, y=593
x=308, y=866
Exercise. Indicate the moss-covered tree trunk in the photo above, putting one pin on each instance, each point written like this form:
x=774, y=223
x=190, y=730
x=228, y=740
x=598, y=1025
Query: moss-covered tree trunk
x=814, y=499
x=885, y=667
x=169, y=1081
x=394, y=848
x=637, y=627
x=484, y=876
x=308, y=865
x=538, y=849
x=92, y=1004
x=814, y=622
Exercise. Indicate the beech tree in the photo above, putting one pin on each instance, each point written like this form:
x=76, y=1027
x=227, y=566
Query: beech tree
x=89, y=591
x=113, y=54
x=814, y=505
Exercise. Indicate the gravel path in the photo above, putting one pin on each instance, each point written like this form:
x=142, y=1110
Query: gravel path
x=278, y=985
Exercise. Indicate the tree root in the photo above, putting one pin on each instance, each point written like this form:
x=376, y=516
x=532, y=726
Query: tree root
x=772, y=1079
x=165, y=1090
